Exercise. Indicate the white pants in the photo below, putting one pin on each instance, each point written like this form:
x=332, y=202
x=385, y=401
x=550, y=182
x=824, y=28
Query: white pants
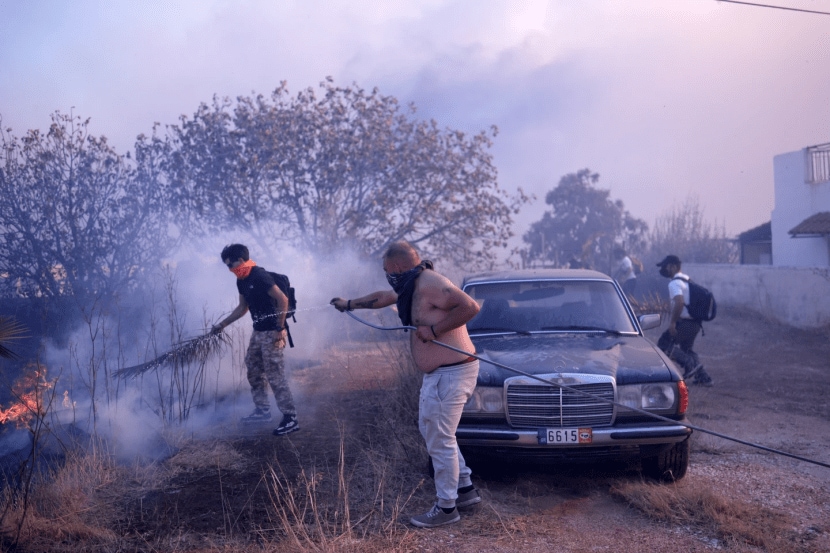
x=444, y=392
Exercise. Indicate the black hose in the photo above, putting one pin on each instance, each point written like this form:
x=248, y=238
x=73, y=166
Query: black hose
x=599, y=398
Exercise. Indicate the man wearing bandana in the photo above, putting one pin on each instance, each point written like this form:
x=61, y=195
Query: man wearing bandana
x=264, y=359
x=439, y=310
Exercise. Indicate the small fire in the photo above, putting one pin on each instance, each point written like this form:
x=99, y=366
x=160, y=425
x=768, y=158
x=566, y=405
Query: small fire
x=29, y=390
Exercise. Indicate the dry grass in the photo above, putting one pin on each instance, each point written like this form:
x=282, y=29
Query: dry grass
x=357, y=505
x=653, y=303
x=76, y=503
x=734, y=521
x=10, y=331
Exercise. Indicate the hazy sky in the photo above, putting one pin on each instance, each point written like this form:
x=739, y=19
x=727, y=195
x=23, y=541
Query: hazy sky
x=663, y=98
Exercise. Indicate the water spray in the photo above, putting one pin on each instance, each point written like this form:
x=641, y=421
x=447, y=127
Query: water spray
x=596, y=397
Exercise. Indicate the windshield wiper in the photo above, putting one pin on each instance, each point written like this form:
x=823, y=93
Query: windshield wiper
x=499, y=329
x=583, y=327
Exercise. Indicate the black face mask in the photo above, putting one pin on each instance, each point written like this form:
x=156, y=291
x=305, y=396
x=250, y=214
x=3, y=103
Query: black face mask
x=399, y=281
x=664, y=271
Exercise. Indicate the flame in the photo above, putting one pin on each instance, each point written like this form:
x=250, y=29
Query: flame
x=29, y=390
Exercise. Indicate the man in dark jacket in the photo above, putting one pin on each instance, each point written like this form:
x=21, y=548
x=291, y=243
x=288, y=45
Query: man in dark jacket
x=264, y=359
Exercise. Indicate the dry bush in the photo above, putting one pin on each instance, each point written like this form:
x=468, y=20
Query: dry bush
x=357, y=504
x=651, y=303
x=732, y=520
x=76, y=502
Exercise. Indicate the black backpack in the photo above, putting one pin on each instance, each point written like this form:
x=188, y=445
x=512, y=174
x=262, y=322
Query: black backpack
x=702, y=305
x=285, y=287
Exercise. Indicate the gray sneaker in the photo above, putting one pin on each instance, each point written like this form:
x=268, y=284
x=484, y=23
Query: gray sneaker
x=259, y=415
x=435, y=517
x=468, y=499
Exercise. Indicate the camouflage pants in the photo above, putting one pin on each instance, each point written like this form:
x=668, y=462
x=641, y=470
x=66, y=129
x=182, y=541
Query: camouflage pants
x=264, y=360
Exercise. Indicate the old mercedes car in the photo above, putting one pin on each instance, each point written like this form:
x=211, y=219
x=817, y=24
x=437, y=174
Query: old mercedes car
x=569, y=376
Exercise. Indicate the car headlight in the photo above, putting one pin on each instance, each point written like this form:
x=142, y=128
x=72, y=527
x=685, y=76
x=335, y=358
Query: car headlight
x=660, y=396
x=485, y=401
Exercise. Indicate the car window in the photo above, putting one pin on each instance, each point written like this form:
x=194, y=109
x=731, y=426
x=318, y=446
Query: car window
x=549, y=305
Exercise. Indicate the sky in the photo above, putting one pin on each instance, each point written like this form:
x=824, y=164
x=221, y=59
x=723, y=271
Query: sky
x=665, y=99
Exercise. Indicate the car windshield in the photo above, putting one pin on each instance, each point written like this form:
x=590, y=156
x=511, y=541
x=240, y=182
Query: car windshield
x=548, y=305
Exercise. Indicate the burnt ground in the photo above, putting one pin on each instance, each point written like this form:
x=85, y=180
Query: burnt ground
x=771, y=388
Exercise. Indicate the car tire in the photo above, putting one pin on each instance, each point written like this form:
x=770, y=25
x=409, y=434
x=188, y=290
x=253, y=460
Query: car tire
x=669, y=465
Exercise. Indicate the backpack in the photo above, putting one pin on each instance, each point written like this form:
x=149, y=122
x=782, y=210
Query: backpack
x=702, y=305
x=285, y=287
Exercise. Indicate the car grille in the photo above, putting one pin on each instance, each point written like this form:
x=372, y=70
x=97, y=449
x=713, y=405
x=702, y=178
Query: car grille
x=537, y=405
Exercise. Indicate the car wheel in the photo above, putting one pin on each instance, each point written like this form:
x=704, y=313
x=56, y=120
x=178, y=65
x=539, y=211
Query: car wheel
x=669, y=465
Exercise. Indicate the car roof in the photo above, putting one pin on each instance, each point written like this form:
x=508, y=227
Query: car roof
x=534, y=274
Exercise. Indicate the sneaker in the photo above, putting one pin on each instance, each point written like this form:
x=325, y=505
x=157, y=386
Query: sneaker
x=259, y=415
x=435, y=517
x=693, y=371
x=467, y=499
x=288, y=425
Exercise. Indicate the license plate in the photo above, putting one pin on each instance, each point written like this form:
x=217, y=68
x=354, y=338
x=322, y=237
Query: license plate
x=565, y=436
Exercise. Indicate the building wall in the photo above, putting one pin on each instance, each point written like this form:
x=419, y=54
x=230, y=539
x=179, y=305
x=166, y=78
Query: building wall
x=795, y=200
x=796, y=296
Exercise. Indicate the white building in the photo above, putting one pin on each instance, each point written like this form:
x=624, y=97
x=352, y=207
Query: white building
x=801, y=218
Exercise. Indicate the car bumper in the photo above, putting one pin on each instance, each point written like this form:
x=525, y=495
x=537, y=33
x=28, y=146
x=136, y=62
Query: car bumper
x=636, y=434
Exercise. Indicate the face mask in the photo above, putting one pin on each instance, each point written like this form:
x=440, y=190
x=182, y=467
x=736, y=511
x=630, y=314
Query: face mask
x=399, y=280
x=243, y=270
x=664, y=271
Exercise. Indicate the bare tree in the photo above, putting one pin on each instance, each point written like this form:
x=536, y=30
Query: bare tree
x=683, y=231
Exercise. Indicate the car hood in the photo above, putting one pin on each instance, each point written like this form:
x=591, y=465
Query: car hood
x=629, y=359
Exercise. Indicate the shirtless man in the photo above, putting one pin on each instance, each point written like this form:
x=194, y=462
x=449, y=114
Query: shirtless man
x=439, y=311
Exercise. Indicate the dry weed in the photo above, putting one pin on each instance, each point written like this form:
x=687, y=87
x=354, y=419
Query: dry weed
x=205, y=455
x=72, y=503
x=732, y=520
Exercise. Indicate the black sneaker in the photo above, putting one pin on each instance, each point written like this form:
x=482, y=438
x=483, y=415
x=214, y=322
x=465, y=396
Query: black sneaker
x=703, y=380
x=288, y=425
x=693, y=371
x=259, y=415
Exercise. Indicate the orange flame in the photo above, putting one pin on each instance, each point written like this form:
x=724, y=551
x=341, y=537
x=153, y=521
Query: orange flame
x=29, y=390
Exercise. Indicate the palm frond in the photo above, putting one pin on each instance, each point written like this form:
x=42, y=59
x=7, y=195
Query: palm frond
x=10, y=331
x=194, y=350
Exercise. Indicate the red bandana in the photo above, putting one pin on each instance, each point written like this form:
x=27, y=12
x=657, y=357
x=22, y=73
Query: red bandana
x=244, y=269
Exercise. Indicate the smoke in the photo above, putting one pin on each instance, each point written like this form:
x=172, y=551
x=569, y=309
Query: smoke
x=145, y=417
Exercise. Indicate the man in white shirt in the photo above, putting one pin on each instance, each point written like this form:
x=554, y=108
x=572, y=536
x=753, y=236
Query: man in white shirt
x=679, y=338
x=624, y=272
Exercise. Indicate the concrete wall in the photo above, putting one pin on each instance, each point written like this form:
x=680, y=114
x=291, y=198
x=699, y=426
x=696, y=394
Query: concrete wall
x=793, y=295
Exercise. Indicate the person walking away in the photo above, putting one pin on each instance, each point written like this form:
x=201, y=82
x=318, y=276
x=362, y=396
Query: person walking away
x=679, y=338
x=439, y=311
x=268, y=305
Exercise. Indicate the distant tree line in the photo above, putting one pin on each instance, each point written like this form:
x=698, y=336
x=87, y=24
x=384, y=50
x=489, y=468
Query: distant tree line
x=583, y=226
x=322, y=169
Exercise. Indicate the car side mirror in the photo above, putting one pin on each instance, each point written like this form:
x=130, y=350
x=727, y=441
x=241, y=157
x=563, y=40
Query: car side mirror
x=651, y=320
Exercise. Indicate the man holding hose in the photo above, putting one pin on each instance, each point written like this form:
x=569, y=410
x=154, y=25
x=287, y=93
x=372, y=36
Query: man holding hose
x=439, y=310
